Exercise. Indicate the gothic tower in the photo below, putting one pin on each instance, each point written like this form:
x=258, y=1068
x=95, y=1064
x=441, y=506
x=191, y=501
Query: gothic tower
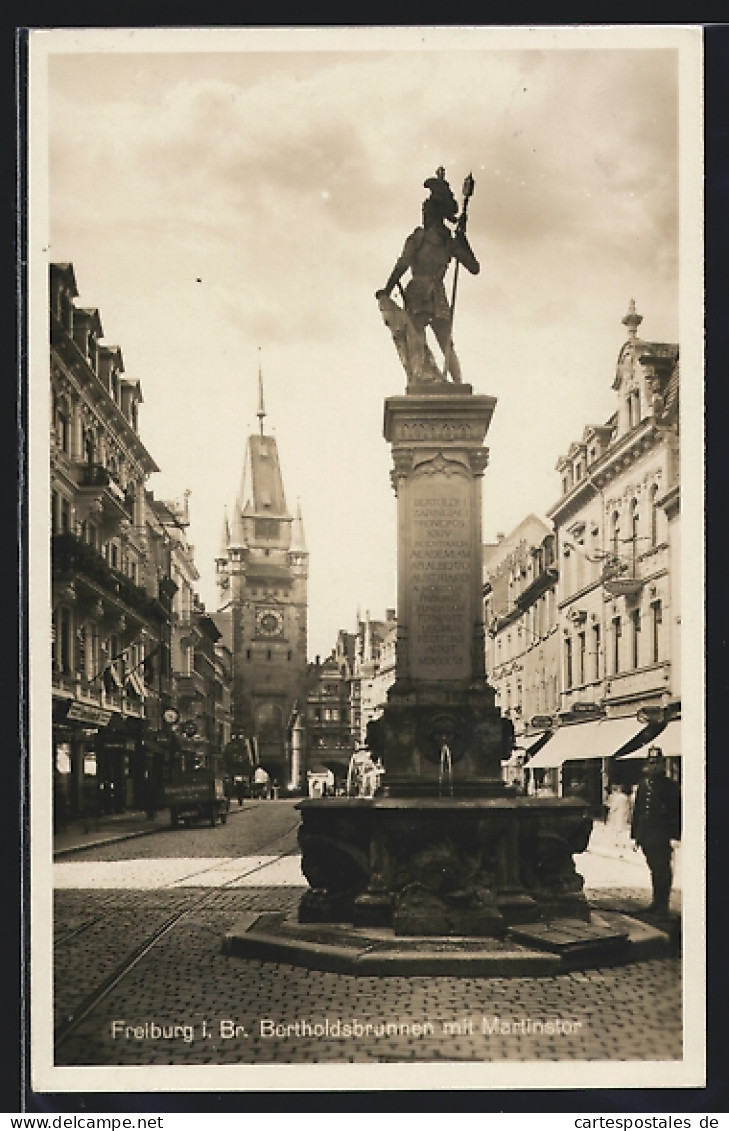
x=262, y=575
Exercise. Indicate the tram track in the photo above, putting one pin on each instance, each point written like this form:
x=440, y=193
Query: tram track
x=68, y=1026
x=99, y=916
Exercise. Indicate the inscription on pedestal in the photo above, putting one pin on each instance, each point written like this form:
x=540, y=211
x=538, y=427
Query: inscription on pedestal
x=439, y=570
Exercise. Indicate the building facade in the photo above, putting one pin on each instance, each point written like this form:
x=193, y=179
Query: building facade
x=522, y=637
x=374, y=670
x=616, y=526
x=328, y=730
x=262, y=576
x=109, y=609
x=140, y=686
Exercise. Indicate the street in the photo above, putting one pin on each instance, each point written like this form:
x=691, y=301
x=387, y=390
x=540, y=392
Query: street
x=157, y=908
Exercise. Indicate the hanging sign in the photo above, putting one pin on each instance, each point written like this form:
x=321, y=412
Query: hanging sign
x=86, y=713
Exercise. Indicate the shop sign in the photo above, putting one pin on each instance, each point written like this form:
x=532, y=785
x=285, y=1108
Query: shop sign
x=586, y=709
x=85, y=713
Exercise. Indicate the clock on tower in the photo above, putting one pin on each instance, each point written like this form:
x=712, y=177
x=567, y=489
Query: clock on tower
x=269, y=622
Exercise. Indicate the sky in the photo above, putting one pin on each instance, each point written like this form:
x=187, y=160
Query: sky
x=235, y=199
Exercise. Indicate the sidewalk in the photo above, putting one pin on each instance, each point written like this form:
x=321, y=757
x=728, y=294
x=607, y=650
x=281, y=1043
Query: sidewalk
x=602, y=843
x=93, y=831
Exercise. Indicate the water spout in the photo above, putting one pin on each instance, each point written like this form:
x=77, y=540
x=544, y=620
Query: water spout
x=445, y=769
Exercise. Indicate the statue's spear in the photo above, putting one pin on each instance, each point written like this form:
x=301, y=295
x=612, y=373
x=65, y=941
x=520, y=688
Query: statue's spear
x=468, y=186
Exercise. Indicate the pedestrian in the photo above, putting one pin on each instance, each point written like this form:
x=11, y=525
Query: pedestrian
x=618, y=816
x=656, y=824
x=240, y=790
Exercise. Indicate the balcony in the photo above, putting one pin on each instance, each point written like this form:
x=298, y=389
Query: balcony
x=190, y=686
x=73, y=558
x=100, y=486
x=618, y=579
x=77, y=688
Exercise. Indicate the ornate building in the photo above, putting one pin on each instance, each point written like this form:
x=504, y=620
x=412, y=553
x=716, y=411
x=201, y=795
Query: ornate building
x=140, y=680
x=262, y=576
x=374, y=669
x=617, y=530
x=522, y=639
x=109, y=607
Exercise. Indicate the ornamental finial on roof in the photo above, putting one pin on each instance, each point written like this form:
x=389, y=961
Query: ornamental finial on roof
x=261, y=408
x=632, y=320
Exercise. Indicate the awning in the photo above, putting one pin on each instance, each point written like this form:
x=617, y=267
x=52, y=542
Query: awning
x=578, y=741
x=668, y=739
x=529, y=744
x=567, y=744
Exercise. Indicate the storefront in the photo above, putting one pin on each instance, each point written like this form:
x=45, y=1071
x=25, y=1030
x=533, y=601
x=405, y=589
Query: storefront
x=98, y=761
x=576, y=759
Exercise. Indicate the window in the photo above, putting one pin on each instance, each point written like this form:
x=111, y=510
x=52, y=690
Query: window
x=654, y=515
x=616, y=534
x=634, y=408
x=581, y=648
x=568, y=662
x=62, y=430
x=596, y=642
x=634, y=528
x=656, y=621
x=617, y=633
x=635, y=622
x=62, y=640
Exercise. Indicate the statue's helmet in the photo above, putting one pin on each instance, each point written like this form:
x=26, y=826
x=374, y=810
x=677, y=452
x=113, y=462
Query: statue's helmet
x=441, y=198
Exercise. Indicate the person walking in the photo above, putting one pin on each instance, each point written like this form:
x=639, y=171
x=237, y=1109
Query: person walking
x=618, y=816
x=656, y=823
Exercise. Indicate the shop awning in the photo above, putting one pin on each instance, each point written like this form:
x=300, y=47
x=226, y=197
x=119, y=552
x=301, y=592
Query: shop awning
x=567, y=743
x=578, y=741
x=669, y=740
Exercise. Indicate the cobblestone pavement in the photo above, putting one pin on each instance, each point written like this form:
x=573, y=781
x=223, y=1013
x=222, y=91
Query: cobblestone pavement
x=185, y=1003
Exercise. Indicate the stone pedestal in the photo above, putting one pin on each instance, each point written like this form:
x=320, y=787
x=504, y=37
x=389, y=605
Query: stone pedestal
x=440, y=733
x=446, y=849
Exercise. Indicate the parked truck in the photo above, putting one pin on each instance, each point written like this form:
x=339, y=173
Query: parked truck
x=198, y=796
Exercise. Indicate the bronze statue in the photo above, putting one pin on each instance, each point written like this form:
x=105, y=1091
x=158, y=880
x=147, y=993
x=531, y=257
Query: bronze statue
x=427, y=253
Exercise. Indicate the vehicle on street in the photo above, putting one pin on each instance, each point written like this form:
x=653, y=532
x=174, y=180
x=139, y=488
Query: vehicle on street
x=198, y=796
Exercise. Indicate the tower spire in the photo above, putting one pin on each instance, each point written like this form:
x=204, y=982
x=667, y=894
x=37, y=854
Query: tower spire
x=261, y=408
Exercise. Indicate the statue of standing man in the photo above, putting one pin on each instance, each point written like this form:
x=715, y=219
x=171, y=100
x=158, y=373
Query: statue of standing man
x=427, y=254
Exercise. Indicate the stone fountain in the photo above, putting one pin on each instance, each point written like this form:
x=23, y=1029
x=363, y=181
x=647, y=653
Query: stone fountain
x=445, y=869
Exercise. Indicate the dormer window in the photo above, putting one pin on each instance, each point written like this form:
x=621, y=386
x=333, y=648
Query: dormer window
x=634, y=408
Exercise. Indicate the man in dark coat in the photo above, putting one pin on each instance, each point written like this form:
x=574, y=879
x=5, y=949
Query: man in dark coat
x=656, y=822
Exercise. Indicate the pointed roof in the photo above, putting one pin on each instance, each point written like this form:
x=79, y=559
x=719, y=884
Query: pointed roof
x=224, y=536
x=298, y=540
x=262, y=492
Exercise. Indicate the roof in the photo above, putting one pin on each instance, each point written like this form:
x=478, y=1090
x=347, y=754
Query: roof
x=262, y=492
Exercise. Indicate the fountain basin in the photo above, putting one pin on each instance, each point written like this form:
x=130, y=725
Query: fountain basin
x=442, y=866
